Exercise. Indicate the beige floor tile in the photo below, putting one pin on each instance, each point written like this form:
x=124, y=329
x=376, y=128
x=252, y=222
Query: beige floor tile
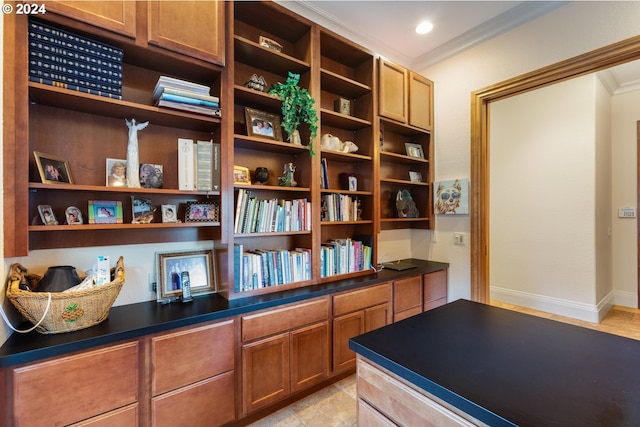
x=328, y=407
x=283, y=418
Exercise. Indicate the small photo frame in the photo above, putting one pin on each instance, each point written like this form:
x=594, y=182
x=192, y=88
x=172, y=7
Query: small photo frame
x=414, y=150
x=53, y=169
x=353, y=183
x=73, y=216
x=241, y=175
x=151, y=176
x=116, y=173
x=46, y=215
x=105, y=212
x=415, y=176
x=141, y=210
x=199, y=264
x=169, y=213
x=262, y=124
x=202, y=212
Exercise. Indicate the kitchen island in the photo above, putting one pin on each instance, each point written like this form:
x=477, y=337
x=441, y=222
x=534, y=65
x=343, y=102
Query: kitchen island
x=467, y=363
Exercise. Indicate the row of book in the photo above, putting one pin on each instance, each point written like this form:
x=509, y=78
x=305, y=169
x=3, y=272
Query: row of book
x=255, y=269
x=341, y=256
x=187, y=96
x=270, y=215
x=198, y=165
x=63, y=59
x=340, y=207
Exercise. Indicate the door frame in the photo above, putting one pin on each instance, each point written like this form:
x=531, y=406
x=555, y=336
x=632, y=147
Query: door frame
x=597, y=60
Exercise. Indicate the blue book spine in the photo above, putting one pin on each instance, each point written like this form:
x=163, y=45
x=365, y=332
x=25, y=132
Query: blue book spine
x=76, y=73
x=73, y=87
x=187, y=100
x=57, y=77
x=59, y=57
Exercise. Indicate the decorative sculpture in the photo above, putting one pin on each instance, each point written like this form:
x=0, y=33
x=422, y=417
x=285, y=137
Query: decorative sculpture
x=405, y=205
x=133, y=161
x=330, y=142
x=287, y=179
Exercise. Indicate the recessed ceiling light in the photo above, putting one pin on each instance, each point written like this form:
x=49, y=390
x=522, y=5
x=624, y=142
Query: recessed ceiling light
x=424, y=27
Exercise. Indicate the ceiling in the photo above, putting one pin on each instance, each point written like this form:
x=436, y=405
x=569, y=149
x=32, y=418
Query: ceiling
x=387, y=27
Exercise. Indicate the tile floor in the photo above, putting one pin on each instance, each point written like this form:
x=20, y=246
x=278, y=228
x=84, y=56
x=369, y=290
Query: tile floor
x=335, y=406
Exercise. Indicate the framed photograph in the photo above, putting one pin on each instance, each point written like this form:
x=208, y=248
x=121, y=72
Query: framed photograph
x=451, y=197
x=201, y=270
x=202, y=212
x=151, y=176
x=141, y=210
x=414, y=150
x=73, y=216
x=116, y=173
x=52, y=169
x=241, y=175
x=105, y=212
x=415, y=176
x=169, y=213
x=353, y=183
x=262, y=124
x=46, y=215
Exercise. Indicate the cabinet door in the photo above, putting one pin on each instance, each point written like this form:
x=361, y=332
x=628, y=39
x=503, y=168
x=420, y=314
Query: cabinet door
x=435, y=289
x=420, y=101
x=194, y=28
x=407, y=294
x=265, y=372
x=377, y=317
x=118, y=15
x=393, y=89
x=191, y=355
x=206, y=403
x=309, y=356
x=69, y=389
x=344, y=328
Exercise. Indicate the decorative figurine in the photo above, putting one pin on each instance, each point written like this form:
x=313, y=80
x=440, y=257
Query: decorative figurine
x=133, y=161
x=287, y=179
x=261, y=175
x=405, y=205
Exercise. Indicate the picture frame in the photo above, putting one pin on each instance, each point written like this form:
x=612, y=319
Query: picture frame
x=53, y=169
x=414, y=150
x=73, y=216
x=46, y=215
x=169, y=213
x=116, y=173
x=141, y=210
x=451, y=197
x=202, y=212
x=200, y=265
x=415, y=176
x=262, y=124
x=151, y=175
x=353, y=183
x=105, y=212
x=241, y=175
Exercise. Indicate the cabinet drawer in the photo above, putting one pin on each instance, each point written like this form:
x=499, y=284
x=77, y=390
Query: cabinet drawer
x=407, y=293
x=191, y=355
x=361, y=299
x=78, y=387
x=284, y=319
x=122, y=417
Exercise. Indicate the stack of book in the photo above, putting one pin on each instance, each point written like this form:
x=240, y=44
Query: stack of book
x=63, y=59
x=258, y=268
x=340, y=207
x=341, y=256
x=186, y=96
x=271, y=216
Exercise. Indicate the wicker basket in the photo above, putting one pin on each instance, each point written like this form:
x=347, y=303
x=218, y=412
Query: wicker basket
x=68, y=311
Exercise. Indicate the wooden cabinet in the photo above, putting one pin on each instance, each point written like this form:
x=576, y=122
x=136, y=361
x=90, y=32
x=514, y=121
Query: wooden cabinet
x=416, y=294
x=117, y=16
x=283, y=351
x=435, y=289
x=355, y=313
x=420, y=101
x=95, y=387
x=192, y=28
x=192, y=376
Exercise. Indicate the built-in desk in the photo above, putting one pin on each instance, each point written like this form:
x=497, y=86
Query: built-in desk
x=494, y=366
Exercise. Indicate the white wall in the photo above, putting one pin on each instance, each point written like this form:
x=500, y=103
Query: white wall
x=573, y=29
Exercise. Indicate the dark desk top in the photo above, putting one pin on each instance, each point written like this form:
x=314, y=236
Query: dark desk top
x=507, y=368
x=135, y=320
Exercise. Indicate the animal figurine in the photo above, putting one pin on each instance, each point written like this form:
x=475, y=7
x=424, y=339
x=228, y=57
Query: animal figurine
x=133, y=161
x=287, y=179
x=405, y=205
x=333, y=143
x=448, y=198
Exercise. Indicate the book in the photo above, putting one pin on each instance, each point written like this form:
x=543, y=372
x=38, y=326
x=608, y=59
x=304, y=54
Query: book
x=215, y=173
x=184, y=85
x=188, y=100
x=237, y=267
x=198, y=109
x=186, y=164
x=95, y=86
x=324, y=174
x=73, y=87
x=204, y=165
x=189, y=94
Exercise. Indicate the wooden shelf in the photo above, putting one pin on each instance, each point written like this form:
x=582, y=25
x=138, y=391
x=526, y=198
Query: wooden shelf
x=336, y=83
x=120, y=190
x=344, y=157
x=402, y=182
x=258, y=187
x=401, y=158
x=278, y=233
x=331, y=118
x=268, y=145
x=250, y=52
x=85, y=227
x=346, y=192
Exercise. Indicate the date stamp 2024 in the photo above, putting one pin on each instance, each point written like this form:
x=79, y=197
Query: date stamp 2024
x=24, y=9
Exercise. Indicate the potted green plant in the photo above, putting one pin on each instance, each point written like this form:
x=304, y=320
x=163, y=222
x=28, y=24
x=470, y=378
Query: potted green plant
x=297, y=107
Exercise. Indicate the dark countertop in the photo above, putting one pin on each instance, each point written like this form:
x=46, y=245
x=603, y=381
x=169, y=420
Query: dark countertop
x=135, y=320
x=507, y=368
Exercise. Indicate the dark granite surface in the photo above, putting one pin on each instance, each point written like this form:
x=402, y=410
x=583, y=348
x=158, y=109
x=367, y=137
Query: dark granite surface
x=135, y=320
x=507, y=368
